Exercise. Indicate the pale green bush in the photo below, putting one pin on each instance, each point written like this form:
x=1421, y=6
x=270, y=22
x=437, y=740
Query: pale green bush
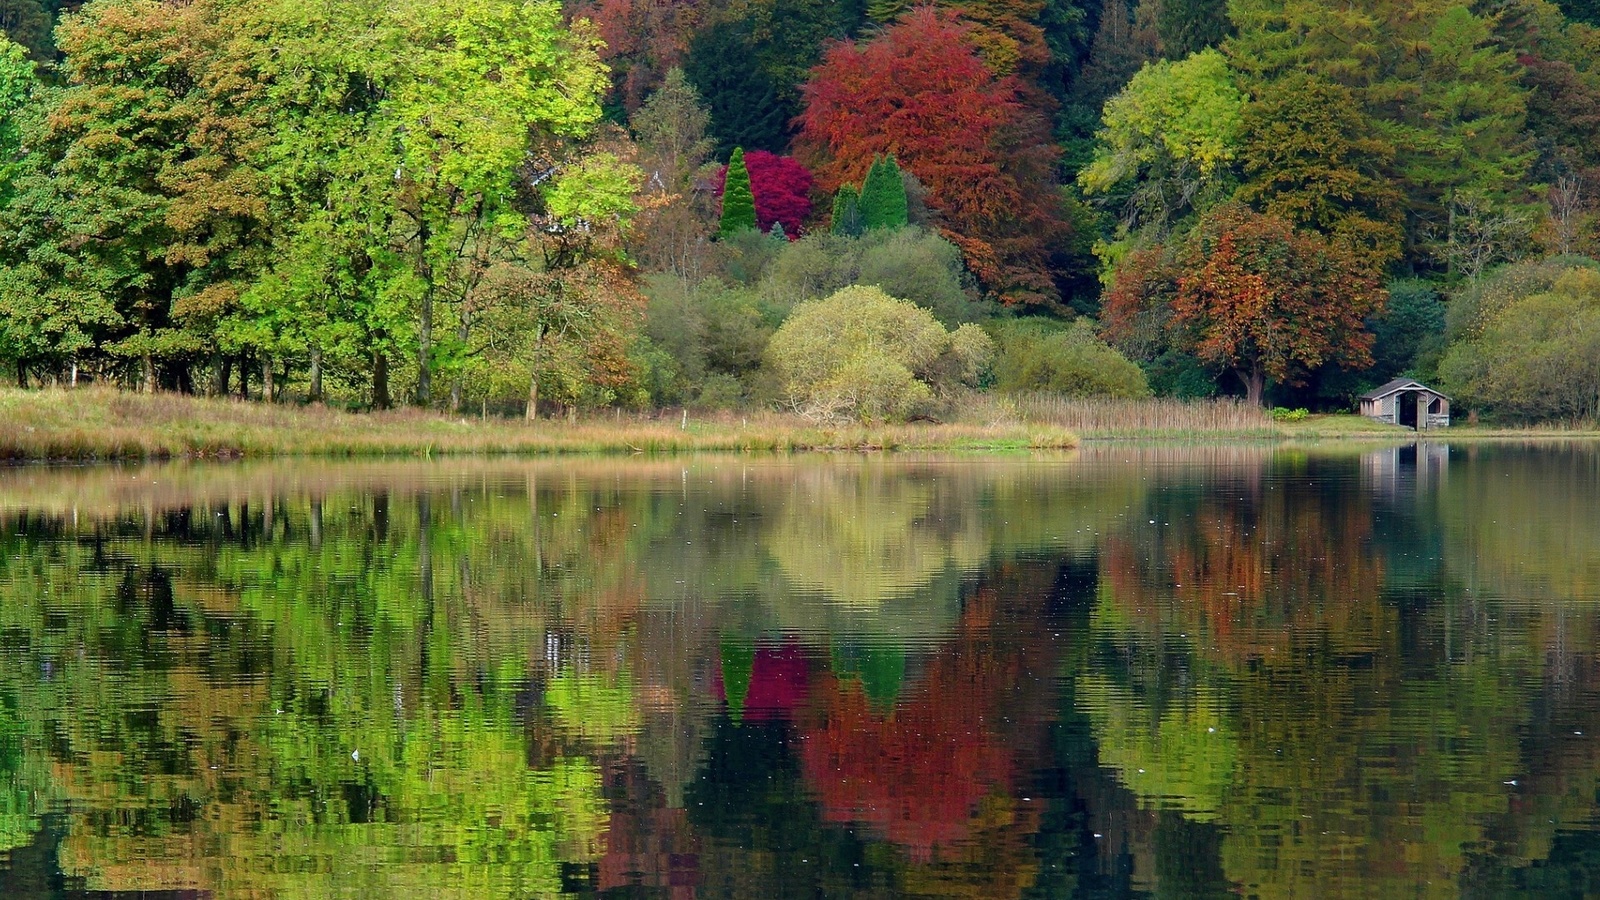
x=864, y=355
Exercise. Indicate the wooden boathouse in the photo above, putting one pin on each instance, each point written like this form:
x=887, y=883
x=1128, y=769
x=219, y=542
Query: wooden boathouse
x=1404, y=401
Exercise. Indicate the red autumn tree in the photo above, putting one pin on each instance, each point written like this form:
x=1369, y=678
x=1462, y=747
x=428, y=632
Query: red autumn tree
x=782, y=187
x=920, y=91
x=1266, y=300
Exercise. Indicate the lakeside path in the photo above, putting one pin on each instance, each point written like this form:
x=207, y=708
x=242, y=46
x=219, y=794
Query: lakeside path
x=103, y=424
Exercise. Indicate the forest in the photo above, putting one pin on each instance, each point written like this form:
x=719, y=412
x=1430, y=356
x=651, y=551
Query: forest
x=868, y=209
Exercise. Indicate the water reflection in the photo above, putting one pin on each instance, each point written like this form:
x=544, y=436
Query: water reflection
x=1164, y=671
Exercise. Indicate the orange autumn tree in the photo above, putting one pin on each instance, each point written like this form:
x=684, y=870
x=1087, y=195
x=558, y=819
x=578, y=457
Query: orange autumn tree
x=920, y=91
x=1251, y=294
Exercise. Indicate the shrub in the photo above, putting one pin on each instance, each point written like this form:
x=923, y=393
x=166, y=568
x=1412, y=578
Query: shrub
x=1072, y=361
x=865, y=355
x=1538, y=357
x=1281, y=414
x=701, y=345
x=910, y=263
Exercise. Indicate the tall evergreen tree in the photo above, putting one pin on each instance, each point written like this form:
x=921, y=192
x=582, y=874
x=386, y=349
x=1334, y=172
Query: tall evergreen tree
x=1189, y=26
x=745, y=107
x=883, y=196
x=738, y=203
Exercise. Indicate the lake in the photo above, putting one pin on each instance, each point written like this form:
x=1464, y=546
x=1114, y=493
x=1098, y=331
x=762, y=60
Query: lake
x=1129, y=671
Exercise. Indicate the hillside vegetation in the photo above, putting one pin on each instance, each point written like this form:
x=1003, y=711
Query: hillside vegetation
x=521, y=208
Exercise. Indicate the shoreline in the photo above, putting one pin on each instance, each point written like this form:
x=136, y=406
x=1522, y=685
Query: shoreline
x=102, y=425
x=106, y=425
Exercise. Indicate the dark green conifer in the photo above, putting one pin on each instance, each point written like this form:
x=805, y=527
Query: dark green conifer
x=738, y=203
x=883, y=196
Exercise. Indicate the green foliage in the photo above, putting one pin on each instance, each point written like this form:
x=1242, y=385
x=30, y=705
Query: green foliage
x=1476, y=305
x=1437, y=87
x=28, y=23
x=865, y=355
x=883, y=196
x=712, y=337
x=671, y=128
x=599, y=187
x=1037, y=355
x=1190, y=26
x=738, y=203
x=1167, y=137
x=1284, y=414
x=1312, y=156
x=846, y=217
x=17, y=84
x=1171, y=114
x=1408, y=335
x=1538, y=357
x=906, y=262
x=746, y=110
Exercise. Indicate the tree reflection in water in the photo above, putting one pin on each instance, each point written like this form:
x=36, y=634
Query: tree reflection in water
x=1186, y=672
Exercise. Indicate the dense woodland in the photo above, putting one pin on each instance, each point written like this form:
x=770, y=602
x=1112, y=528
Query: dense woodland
x=848, y=209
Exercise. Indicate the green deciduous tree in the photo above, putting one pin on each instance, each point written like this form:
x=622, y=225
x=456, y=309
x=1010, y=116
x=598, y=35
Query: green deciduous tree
x=1311, y=155
x=1168, y=141
x=1538, y=358
x=17, y=84
x=1431, y=79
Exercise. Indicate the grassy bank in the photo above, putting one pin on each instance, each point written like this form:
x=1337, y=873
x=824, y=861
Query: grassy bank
x=94, y=423
x=1230, y=420
x=100, y=424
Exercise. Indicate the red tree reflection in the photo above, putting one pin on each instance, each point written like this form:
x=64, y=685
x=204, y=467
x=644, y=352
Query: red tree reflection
x=943, y=763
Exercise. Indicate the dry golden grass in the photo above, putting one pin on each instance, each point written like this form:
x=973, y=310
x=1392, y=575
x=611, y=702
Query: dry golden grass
x=99, y=423
x=1160, y=418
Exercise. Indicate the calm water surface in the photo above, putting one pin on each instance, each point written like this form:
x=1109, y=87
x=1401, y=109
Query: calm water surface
x=1177, y=673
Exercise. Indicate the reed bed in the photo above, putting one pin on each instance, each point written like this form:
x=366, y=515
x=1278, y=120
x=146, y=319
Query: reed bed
x=1161, y=418
x=101, y=423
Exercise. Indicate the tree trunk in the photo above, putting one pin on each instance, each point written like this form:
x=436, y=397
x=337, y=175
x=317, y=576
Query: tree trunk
x=315, y=395
x=380, y=381
x=74, y=382
x=266, y=378
x=22, y=374
x=463, y=332
x=149, y=364
x=425, y=326
x=224, y=374
x=1255, y=384
x=533, y=375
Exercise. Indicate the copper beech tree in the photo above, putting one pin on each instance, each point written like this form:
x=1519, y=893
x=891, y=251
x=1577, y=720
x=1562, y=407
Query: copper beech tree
x=1251, y=294
x=921, y=91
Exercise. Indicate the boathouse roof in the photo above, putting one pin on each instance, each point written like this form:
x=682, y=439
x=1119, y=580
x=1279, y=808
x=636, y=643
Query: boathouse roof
x=1398, y=385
